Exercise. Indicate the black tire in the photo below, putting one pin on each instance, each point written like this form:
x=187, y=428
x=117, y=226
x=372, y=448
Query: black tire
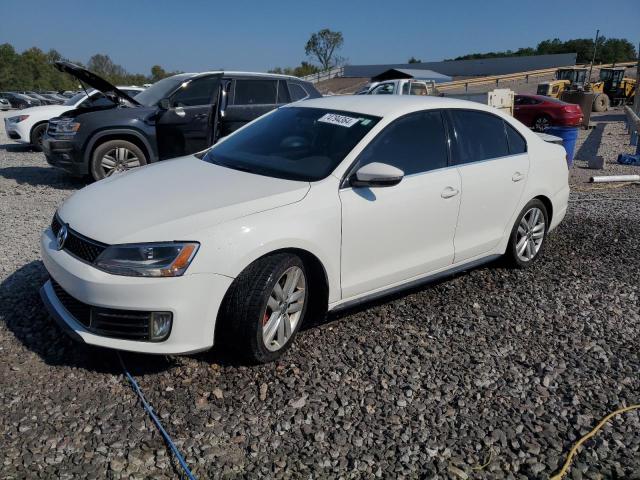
x=244, y=309
x=37, y=133
x=601, y=103
x=96, y=170
x=541, y=123
x=511, y=256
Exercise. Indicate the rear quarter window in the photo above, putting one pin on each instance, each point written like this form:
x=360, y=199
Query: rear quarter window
x=517, y=143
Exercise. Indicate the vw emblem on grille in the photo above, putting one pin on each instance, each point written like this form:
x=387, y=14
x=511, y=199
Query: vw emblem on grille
x=62, y=237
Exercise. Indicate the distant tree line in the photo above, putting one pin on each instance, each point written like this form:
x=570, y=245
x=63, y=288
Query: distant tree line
x=610, y=50
x=33, y=69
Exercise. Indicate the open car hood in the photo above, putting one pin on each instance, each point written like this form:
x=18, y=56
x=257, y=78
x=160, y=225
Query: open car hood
x=94, y=81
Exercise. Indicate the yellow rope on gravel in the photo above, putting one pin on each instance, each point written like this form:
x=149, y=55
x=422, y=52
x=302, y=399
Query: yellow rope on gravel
x=574, y=450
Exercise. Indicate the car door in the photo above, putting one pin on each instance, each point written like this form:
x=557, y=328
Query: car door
x=493, y=175
x=393, y=234
x=186, y=127
x=249, y=99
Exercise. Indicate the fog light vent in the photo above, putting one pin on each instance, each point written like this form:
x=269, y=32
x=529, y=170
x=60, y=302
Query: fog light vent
x=160, y=325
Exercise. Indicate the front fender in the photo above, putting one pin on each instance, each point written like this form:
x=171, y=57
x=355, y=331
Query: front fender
x=97, y=136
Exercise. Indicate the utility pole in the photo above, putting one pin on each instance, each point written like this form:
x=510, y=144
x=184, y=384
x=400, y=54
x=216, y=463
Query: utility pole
x=593, y=58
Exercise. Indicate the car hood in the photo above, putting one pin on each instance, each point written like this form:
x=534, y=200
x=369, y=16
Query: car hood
x=47, y=111
x=94, y=81
x=173, y=200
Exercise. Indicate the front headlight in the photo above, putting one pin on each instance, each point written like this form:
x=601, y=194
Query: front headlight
x=17, y=119
x=66, y=126
x=148, y=259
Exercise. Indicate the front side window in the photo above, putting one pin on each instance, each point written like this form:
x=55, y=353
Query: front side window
x=418, y=89
x=479, y=136
x=383, y=89
x=415, y=143
x=255, y=92
x=196, y=92
x=294, y=143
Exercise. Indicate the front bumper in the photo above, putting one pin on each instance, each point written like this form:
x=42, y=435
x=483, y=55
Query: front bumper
x=16, y=131
x=64, y=154
x=194, y=301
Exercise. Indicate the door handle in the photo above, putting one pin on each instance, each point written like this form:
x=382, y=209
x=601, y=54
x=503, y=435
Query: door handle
x=517, y=177
x=449, y=192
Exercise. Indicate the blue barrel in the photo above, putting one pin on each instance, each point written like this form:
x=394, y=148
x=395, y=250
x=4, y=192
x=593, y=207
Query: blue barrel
x=569, y=135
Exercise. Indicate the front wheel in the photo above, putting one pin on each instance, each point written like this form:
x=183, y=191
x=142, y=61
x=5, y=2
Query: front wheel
x=528, y=234
x=265, y=307
x=115, y=156
x=601, y=103
x=541, y=123
x=36, y=136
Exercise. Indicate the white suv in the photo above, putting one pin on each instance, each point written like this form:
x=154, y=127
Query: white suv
x=31, y=123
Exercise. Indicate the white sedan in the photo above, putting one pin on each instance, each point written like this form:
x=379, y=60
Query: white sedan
x=29, y=125
x=316, y=206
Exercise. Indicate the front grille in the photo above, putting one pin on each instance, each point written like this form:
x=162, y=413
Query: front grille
x=78, y=245
x=107, y=322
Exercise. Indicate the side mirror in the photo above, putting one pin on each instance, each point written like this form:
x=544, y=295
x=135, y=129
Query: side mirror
x=376, y=175
x=165, y=104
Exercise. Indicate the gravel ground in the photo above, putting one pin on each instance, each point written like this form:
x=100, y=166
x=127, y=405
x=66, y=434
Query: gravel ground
x=496, y=368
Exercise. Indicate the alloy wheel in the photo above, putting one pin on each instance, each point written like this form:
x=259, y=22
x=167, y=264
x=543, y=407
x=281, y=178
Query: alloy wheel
x=542, y=124
x=284, y=309
x=530, y=234
x=118, y=159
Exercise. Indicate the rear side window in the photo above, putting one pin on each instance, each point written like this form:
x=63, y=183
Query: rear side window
x=283, y=93
x=517, y=143
x=479, y=136
x=297, y=92
x=255, y=92
x=415, y=143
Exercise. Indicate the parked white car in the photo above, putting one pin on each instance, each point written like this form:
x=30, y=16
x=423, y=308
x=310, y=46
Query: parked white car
x=318, y=205
x=30, y=124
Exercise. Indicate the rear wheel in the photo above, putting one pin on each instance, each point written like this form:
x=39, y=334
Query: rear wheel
x=541, y=123
x=528, y=234
x=265, y=307
x=36, y=136
x=115, y=156
x=601, y=103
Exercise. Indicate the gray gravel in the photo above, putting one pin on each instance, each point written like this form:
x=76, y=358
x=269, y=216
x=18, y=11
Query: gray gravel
x=497, y=366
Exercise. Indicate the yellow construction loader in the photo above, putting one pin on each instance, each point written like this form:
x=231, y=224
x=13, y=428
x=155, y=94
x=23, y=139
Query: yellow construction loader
x=575, y=79
x=620, y=89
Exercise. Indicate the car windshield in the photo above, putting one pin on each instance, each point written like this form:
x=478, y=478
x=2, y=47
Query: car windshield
x=75, y=99
x=161, y=89
x=294, y=143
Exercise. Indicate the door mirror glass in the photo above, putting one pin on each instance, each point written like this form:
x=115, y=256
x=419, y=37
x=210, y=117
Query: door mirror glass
x=376, y=174
x=165, y=104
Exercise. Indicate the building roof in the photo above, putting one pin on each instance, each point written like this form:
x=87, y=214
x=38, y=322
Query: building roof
x=395, y=73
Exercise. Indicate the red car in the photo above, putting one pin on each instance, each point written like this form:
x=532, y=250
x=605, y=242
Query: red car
x=540, y=112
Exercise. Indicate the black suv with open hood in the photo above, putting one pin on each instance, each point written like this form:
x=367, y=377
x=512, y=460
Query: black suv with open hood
x=178, y=115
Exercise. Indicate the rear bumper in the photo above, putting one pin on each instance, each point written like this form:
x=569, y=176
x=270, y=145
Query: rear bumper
x=560, y=202
x=64, y=154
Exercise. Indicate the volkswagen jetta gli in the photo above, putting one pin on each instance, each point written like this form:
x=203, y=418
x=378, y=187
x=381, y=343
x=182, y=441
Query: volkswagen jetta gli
x=313, y=207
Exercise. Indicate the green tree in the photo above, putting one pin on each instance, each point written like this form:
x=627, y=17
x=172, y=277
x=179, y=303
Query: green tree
x=414, y=60
x=322, y=46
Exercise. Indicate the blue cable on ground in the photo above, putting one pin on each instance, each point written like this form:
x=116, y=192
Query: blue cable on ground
x=156, y=420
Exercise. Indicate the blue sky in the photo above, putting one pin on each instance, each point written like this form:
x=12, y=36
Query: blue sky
x=256, y=35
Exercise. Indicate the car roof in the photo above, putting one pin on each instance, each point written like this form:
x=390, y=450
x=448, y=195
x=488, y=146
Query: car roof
x=388, y=105
x=234, y=73
x=542, y=98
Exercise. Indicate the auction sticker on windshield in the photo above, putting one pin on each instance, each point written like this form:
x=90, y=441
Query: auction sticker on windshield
x=341, y=120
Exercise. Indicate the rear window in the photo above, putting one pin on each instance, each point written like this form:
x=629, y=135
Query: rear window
x=479, y=136
x=255, y=92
